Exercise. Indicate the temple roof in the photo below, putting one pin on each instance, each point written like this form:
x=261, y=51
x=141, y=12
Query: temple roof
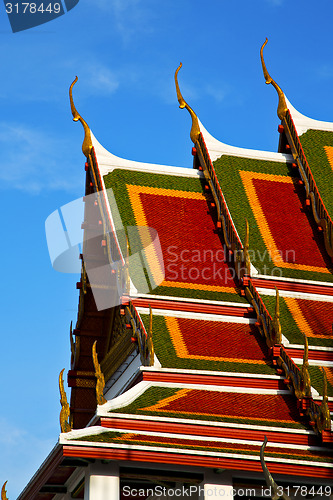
x=223, y=332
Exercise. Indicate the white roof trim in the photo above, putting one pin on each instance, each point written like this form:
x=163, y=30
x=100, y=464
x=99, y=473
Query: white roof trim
x=222, y=318
x=194, y=300
x=107, y=162
x=217, y=149
x=95, y=431
x=296, y=295
x=210, y=423
x=212, y=372
x=132, y=394
x=304, y=123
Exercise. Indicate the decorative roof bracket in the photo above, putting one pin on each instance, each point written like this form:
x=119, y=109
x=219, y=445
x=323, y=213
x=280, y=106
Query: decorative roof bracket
x=282, y=106
x=195, y=130
x=87, y=142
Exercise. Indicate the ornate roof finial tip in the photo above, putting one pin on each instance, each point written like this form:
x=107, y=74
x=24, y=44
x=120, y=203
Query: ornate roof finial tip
x=73, y=108
x=4, y=492
x=195, y=130
x=180, y=98
x=282, y=106
x=267, y=77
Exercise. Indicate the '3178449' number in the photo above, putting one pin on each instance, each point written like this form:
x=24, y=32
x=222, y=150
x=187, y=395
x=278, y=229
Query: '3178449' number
x=32, y=8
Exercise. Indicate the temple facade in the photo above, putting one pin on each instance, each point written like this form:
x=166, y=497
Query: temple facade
x=202, y=355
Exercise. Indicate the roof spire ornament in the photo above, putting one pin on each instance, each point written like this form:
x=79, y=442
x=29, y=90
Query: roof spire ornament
x=87, y=142
x=282, y=106
x=195, y=130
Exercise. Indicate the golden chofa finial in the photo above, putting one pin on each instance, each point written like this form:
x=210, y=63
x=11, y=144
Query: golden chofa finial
x=65, y=414
x=282, y=106
x=87, y=142
x=276, y=320
x=195, y=130
x=4, y=492
x=325, y=411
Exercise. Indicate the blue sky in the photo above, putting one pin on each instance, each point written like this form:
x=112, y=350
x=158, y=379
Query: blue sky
x=125, y=53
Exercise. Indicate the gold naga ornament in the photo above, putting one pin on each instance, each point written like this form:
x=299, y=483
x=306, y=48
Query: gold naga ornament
x=282, y=106
x=4, y=492
x=195, y=130
x=100, y=384
x=65, y=413
x=150, y=338
x=325, y=411
x=247, y=260
x=305, y=390
x=87, y=142
x=275, y=332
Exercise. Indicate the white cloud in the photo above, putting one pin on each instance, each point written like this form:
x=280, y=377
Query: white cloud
x=131, y=17
x=101, y=79
x=275, y=2
x=218, y=92
x=21, y=455
x=325, y=72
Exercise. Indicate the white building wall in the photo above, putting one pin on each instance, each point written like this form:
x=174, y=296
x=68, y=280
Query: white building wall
x=102, y=482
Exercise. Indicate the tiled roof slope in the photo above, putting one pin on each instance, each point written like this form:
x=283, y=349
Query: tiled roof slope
x=310, y=143
x=208, y=342
x=299, y=316
x=316, y=138
x=269, y=196
x=179, y=210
